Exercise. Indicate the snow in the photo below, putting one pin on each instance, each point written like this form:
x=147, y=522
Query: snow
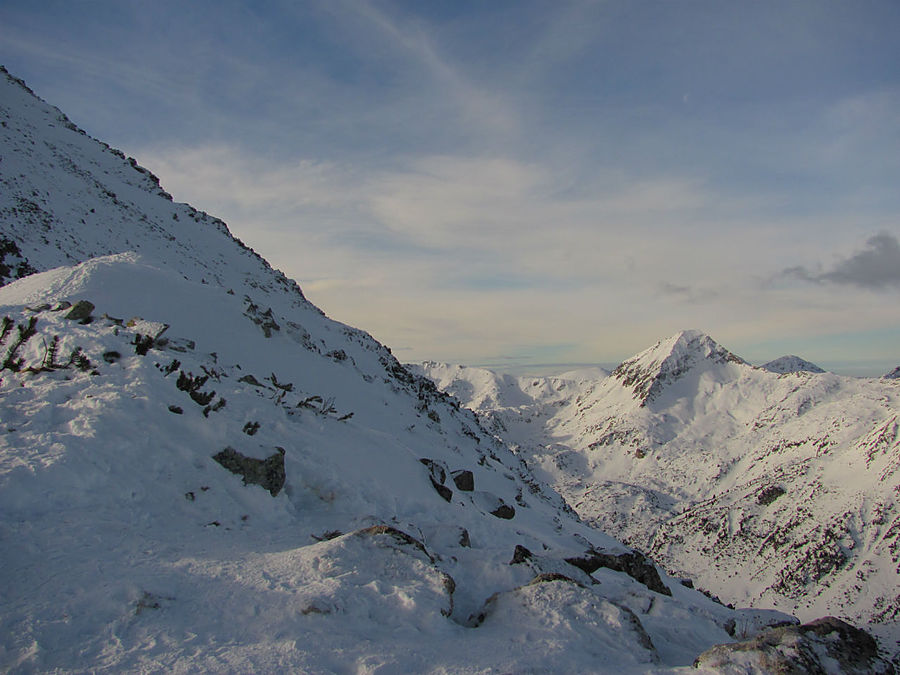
x=791, y=364
x=125, y=546
x=773, y=490
x=135, y=550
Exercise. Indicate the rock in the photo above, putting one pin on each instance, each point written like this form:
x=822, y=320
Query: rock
x=399, y=536
x=520, y=555
x=553, y=576
x=822, y=646
x=438, y=474
x=491, y=503
x=438, y=470
x=632, y=563
x=464, y=480
x=267, y=473
x=80, y=311
x=442, y=490
x=769, y=495
x=504, y=511
x=249, y=379
x=264, y=319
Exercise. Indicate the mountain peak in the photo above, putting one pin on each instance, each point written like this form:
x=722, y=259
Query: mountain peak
x=791, y=364
x=650, y=371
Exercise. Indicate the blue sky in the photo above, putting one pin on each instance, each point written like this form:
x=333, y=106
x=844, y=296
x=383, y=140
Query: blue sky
x=521, y=183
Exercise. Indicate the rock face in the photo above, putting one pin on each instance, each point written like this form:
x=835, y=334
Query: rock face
x=268, y=473
x=824, y=646
x=632, y=563
x=651, y=371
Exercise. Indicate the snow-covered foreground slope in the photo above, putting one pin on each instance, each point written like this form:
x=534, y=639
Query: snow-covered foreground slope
x=200, y=472
x=773, y=490
x=128, y=545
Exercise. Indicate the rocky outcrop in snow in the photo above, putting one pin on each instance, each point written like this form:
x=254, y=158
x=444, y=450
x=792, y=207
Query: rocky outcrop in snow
x=822, y=646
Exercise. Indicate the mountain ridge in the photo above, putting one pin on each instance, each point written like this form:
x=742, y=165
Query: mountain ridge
x=648, y=373
x=763, y=487
x=200, y=471
x=791, y=364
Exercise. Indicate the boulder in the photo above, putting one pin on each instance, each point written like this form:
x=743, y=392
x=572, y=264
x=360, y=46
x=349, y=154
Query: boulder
x=632, y=563
x=438, y=474
x=80, y=311
x=821, y=646
x=464, y=480
x=268, y=473
x=437, y=469
x=504, y=511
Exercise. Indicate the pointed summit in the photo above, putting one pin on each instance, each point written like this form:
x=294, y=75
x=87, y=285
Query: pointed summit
x=791, y=364
x=893, y=375
x=649, y=372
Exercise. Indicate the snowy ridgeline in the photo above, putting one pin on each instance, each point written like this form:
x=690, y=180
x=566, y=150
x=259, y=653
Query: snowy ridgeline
x=199, y=471
x=769, y=489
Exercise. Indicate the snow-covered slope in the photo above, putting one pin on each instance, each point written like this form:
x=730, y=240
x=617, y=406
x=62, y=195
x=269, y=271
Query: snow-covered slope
x=774, y=490
x=200, y=472
x=791, y=364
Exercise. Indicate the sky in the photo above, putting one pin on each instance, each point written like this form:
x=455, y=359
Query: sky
x=521, y=185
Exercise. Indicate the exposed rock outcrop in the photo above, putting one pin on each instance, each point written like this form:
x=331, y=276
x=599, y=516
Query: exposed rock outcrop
x=268, y=473
x=633, y=563
x=823, y=646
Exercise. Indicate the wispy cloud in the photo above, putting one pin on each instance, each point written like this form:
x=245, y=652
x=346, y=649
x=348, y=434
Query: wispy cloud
x=474, y=180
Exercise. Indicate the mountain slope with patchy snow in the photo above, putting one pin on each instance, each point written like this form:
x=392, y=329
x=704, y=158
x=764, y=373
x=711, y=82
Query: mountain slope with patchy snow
x=199, y=471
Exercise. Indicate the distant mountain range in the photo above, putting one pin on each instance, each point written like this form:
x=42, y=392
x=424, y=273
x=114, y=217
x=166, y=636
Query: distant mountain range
x=773, y=489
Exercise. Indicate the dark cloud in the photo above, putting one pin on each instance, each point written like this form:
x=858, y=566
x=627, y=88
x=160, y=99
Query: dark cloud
x=876, y=266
